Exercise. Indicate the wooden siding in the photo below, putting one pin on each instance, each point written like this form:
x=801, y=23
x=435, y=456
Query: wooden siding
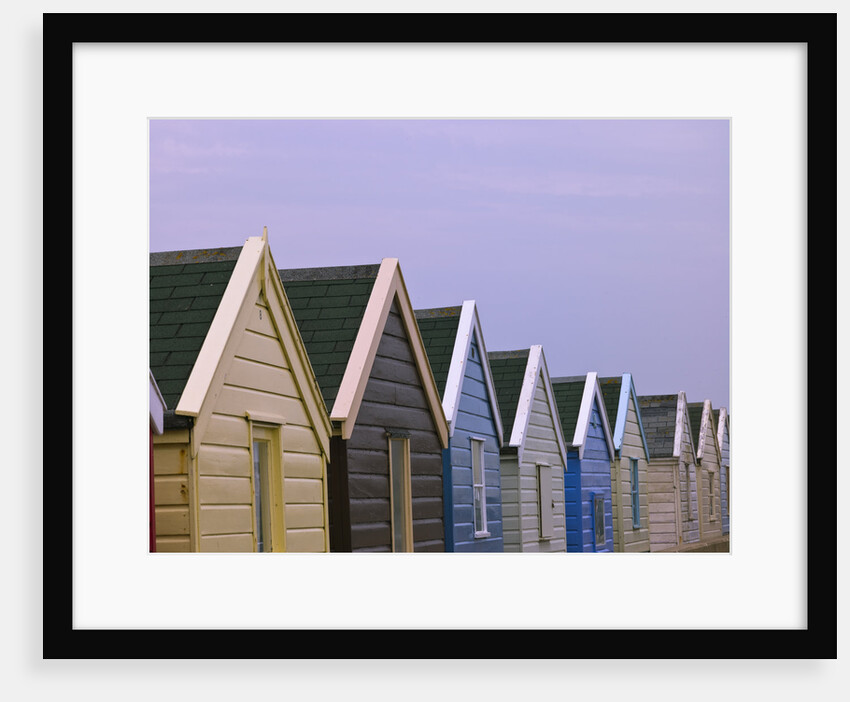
x=474, y=419
x=628, y=538
x=664, y=504
x=520, y=511
x=394, y=399
x=259, y=382
x=588, y=476
x=689, y=491
x=171, y=491
x=724, y=483
x=710, y=525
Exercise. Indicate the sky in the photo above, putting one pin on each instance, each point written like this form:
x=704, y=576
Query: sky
x=605, y=241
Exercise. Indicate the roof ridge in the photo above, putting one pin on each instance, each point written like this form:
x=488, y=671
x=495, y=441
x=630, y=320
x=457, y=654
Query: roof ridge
x=568, y=378
x=432, y=312
x=519, y=353
x=329, y=272
x=180, y=257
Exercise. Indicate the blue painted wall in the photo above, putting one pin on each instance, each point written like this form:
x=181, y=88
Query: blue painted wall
x=474, y=419
x=584, y=478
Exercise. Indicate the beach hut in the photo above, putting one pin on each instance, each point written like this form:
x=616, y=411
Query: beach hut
x=721, y=418
x=388, y=425
x=630, y=467
x=707, y=450
x=673, y=511
x=590, y=451
x=241, y=463
x=472, y=493
x=533, y=455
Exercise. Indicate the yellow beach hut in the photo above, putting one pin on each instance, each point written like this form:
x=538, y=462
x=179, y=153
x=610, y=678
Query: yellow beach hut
x=241, y=464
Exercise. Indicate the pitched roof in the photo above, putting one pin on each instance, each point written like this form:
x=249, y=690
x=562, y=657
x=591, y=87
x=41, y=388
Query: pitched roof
x=438, y=327
x=508, y=368
x=328, y=305
x=614, y=395
x=568, y=394
x=659, y=422
x=186, y=288
x=611, y=388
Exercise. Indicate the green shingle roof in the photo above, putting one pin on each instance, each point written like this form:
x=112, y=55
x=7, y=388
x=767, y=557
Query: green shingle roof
x=508, y=369
x=438, y=327
x=695, y=416
x=611, y=388
x=185, y=291
x=658, y=415
x=328, y=306
x=568, y=391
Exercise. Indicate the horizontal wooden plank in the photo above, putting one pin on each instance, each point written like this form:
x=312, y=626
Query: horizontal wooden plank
x=227, y=430
x=171, y=520
x=226, y=490
x=304, y=516
x=226, y=519
x=173, y=544
x=171, y=490
x=299, y=439
x=261, y=321
x=258, y=376
x=261, y=348
x=303, y=465
x=224, y=460
x=172, y=436
x=171, y=459
x=227, y=543
x=305, y=541
x=237, y=401
x=301, y=490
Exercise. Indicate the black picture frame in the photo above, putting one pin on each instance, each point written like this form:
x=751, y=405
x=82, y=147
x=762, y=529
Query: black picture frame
x=818, y=31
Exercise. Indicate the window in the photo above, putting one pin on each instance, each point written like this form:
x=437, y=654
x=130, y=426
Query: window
x=545, y=503
x=479, y=489
x=598, y=520
x=688, y=468
x=400, y=499
x=262, y=494
x=633, y=467
x=267, y=489
x=712, y=514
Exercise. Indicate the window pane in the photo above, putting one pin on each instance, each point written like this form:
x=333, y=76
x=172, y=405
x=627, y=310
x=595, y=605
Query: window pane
x=599, y=519
x=399, y=494
x=261, y=471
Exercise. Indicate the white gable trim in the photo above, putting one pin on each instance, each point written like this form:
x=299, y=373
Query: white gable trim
x=622, y=411
x=721, y=426
x=536, y=369
x=389, y=285
x=221, y=328
x=682, y=424
x=156, y=405
x=627, y=377
x=591, y=391
x=468, y=324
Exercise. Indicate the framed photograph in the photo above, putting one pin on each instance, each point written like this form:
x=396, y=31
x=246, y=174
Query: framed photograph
x=771, y=76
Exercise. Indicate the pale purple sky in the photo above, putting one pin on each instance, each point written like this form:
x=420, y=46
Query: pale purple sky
x=606, y=241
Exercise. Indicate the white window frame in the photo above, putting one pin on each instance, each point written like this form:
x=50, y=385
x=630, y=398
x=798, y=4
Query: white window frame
x=479, y=514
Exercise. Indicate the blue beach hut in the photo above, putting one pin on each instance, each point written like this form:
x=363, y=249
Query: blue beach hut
x=590, y=450
x=471, y=476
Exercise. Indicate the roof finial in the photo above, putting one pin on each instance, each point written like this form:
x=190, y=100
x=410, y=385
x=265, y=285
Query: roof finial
x=265, y=233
